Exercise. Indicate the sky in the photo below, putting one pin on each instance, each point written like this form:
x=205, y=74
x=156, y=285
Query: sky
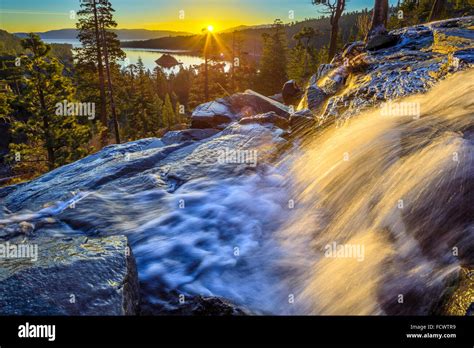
x=178, y=15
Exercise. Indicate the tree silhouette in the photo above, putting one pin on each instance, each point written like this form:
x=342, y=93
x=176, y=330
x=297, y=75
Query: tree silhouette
x=334, y=8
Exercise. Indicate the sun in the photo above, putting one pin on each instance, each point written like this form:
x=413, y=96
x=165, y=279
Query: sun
x=210, y=28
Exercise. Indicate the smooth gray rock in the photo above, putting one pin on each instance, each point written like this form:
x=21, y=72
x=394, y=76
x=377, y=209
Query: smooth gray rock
x=251, y=103
x=219, y=113
x=277, y=97
x=71, y=276
x=267, y=118
x=180, y=136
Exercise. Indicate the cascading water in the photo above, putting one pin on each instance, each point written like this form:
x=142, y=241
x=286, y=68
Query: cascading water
x=397, y=188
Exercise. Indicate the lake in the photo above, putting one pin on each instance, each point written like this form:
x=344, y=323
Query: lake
x=149, y=56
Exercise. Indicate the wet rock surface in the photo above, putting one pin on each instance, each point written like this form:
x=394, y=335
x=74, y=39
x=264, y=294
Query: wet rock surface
x=69, y=276
x=197, y=306
x=267, y=118
x=303, y=119
x=416, y=59
x=180, y=136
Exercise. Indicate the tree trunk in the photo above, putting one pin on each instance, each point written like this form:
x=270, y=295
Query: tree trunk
x=379, y=18
x=100, y=67
x=206, y=79
x=437, y=10
x=47, y=133
x=333, y=42
x=109, y=82
x=335, y=16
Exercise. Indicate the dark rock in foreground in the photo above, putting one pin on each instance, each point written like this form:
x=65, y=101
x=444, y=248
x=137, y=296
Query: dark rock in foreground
x=70, y=276
x=200, y=306
x=291, y=93
x=382, y=41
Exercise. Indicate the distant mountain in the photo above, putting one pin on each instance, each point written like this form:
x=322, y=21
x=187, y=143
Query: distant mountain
x=9, y=43
x=123, y=34
x=251, y=36
x=245, y=27
x=190, y=43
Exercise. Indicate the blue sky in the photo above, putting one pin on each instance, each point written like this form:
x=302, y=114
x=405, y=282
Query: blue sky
x=42, y=15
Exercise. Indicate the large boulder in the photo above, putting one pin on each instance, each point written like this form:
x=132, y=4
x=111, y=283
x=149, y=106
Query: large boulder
x=267, y=118
x=291, y=93
x=314, y=99
x=68, y=276
x=251, y=103
x=219, y=113
x=173, y=137
x=215, y=114
x=382, y=41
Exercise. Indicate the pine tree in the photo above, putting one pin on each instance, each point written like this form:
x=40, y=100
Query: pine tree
x=273, y=63
x=168, y=115
x=437, y=10
x=302, y=55
x=243, y=69
x=160, y=82
x=144, y=97
x=52, y=139
x=156, y=115
x=94, y=20
x=6, y=98
x=334, y=8
x=218, y=84
x=379, y=18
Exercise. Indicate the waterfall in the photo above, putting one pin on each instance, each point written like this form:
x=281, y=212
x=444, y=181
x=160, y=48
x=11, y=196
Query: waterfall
x=383, y=205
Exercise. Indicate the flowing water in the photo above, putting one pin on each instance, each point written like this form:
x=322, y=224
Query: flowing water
x=397, y=188
x=346, y=222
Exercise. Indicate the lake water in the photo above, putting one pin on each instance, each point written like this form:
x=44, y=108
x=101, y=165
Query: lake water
x=149, y=56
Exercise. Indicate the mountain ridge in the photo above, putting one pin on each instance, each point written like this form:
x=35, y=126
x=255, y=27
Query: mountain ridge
x=123, y=34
